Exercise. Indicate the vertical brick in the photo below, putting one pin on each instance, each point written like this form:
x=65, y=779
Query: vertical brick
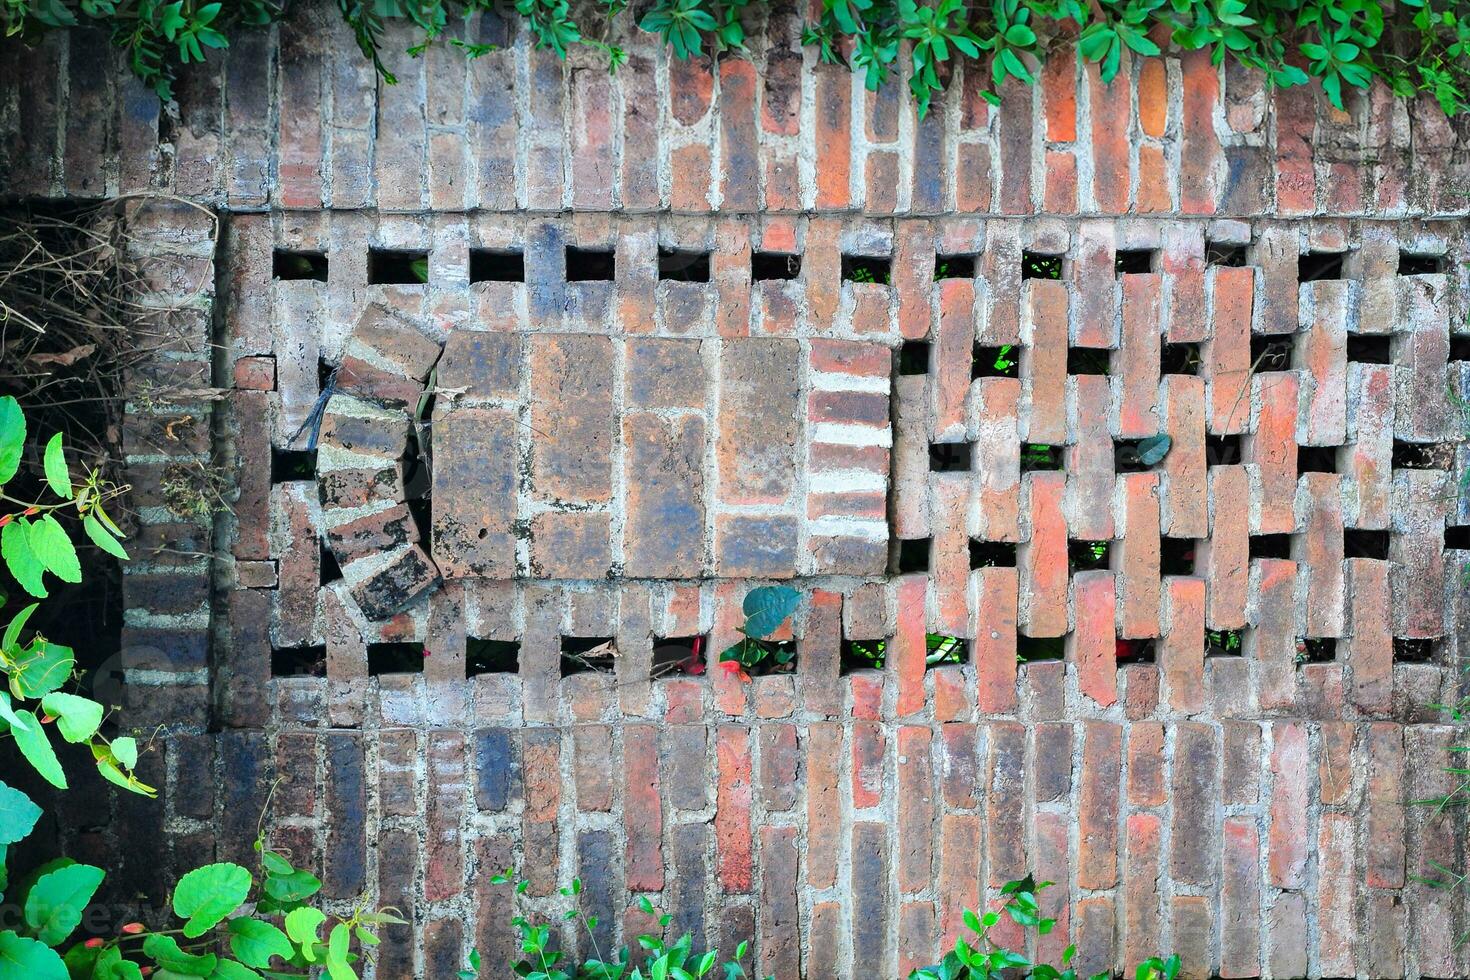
x=1240, y=899
x=780, y=941
x=871, y=896
x=1092, y=647
x=1287, y=839
x=1098, y=801
x=915, y=809
x=1196, y=799
x=732, y=809
x=642, y=809
x=995, y=639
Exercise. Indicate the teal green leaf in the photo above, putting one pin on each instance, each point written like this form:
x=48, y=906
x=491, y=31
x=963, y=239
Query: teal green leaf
x=165, y=951
x=18, y=815
x=53, y=549
x=15, y=548
x=12, y=437
x=8, y=715
x=36, y=747
x=27, y=959
x=54, y=463
x=77, y=718
x=12, y=632
x=57, y=900
x=103, y=538
x=767, y=607
x=206, y=895
x=254, y=942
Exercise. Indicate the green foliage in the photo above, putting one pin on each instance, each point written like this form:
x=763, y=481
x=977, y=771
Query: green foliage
x=765, y=609
x=542, y=961
x=980, y=957
x=1415, y=46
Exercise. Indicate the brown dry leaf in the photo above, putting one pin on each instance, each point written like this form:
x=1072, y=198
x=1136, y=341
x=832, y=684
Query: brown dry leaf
x=608, y=649
x=63, y=360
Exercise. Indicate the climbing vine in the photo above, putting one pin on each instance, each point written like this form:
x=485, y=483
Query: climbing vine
x=1414, y=46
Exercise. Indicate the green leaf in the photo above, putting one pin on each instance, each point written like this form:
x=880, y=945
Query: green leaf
x=8, y=715
x=53, y=549
x=12, y=632
x=337, y=947
x=54, y=463
x=206, y=895
x=78, y=718
x=36, y=747
x=27, y=959
x=302, y=926
x=230, y=970
x=43, y=669
x=55, y=903
x=102, y=538
x=767, y=607
x=1151, y=451
x=18, y=815
x=294, y=887
x=15, y=548
x=165, y=951
x=12, y=437
x=254, y=942
x=125, y=750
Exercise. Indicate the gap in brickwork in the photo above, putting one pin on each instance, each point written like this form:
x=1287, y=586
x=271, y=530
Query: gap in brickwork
x=1417, y=264
x=1224, y=643
x=288, y=265
x=949, y=457
x=941, y=649
x=330, y=570
x=1037, y=456
x=1130, y=455
x=324, y=371
x=679, y=655
x=482, y=656
x=683, y=265
x=1459, y=347
x=583, y=654
x=954, y=267
x=1370, y=348
x=497, y=265
x=913, y=357
x=862, y=655
x=1423, y=455
x=395, y=658
x=1457, y=537
x=1318, y=459
x=1271, y=352
x=1270, y=546
x=1222, y=450
x=397, y=267
x=1086, y=556
x=1320, y=266
x=303, y=661
x=911, y=555
x=1357, y=543
x=992, y=554
x=774, y=266
x=288, y=465
x=1089, y=360
x=1230, y=255
x=1415, y=650
x=1316, y=650
x=1139, y=651
x=1182, y=358
x=591, y=264
x=995, y=362
x=1040, y=265
x=1176, y=555
x=867, y=268
x=1135, y=261
x=1033, y=649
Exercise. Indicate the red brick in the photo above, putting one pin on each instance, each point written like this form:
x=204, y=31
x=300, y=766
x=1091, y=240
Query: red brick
x=1042, y=560
x=1368, y=649
x=1240, y=899
x=1142, y=925
x=1098, y=800
x=1287, y=840
x=869, y=747
x=643, y=813
x=995, y=639
x=833, y=137
x=1196, y=798
x=732, y=809
x=1137, y=559
x=908, y=644
x=1092, y=647
x=1044, y=360
x=1272, y=448
x=1146, y=764
x=823, y=803
x=1227, y=355
x=1224, y=556
x=915, y=808
x=1200, y=156
x=1383, y=841
x=1005, y=780
x=957, y=886
x=1184, y=508
x=1110, y=142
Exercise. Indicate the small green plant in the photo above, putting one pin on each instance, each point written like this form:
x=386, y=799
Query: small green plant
x=981, y=957
x=1004, y=361
x=765, y=609
x=661, y=961
x=941, y=649
x=1222, y=641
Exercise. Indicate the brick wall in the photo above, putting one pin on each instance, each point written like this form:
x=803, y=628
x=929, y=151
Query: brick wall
x=1277, y=286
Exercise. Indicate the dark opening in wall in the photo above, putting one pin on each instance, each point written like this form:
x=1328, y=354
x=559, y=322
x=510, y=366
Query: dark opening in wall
x=1222, y=450
x=912, y=555
x=1030, y=649
x=292, y=464
x=497, y=265
x=1134, y=261
x=1039, y=265
x=1089, y=360
x=1225, y=254
x=1036, y=456
x=1317, y=459
x=683, y=265
x=1317, y=266
x=324, y=371
x=395, y=658
x=1423, y=455
x=1086, y=556
x=1179, y=359
x=491, y=656
x=863, y=655
x=1270, y=546
x=1370, y=348
x=1316, y=650
x=1414, y=264
x=1224, y=643
x=1357, y=543
x=591, y=264
x=867, y=268
x=1408, y=650
x=1459, y=347
x=1139, y=651
x=941, y=649
x=1176, y=556
x=913, y=357
x=418, y=480
x=1140, y=455
x=768, y=266
x=397, y=267
x=308, y=661
x=954, y=267
x=1271, y=352
x=679, y=655
x=330, y=570
x=1457, y=538
x=996, y=362
x=949, y=457
x=288, y=265
x=580, y=654
x=992, y=554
